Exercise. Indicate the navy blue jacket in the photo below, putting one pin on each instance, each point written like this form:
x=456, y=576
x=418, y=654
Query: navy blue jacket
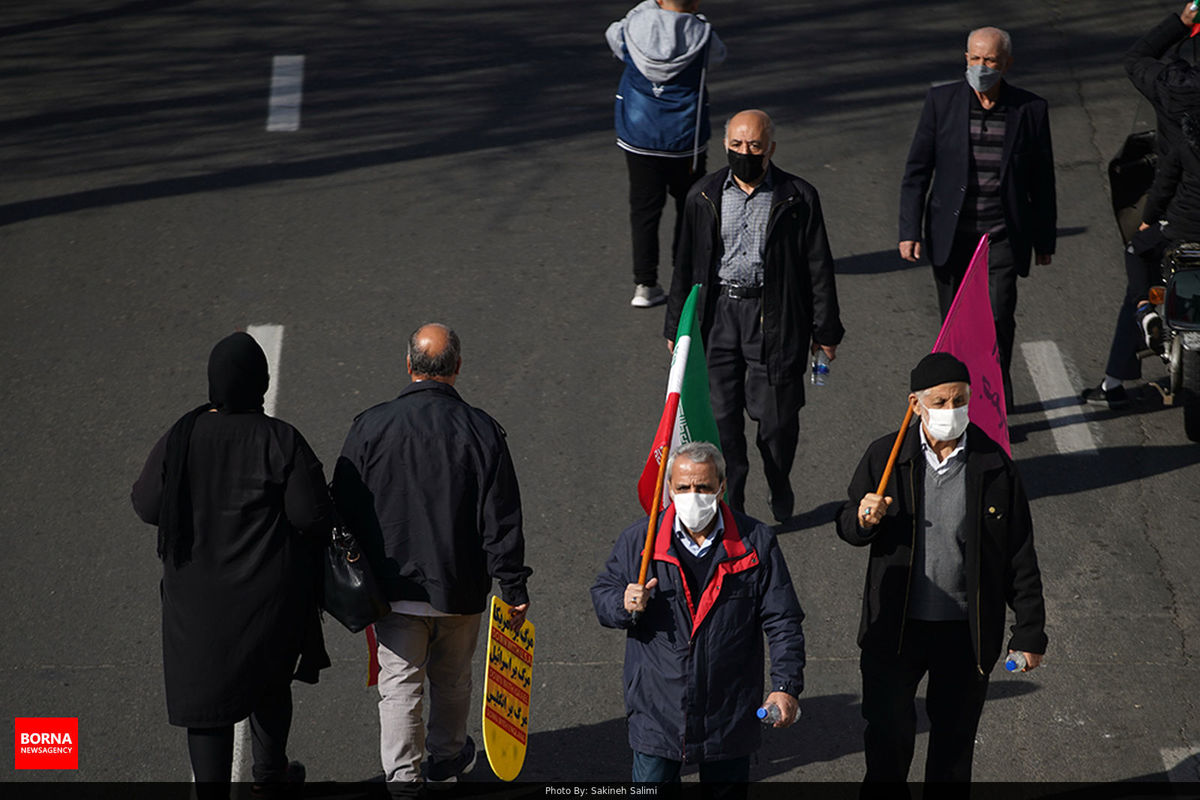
x=694, y=665
x=935, y=176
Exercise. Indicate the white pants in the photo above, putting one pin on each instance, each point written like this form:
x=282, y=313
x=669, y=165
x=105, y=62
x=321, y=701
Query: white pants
x=411, y=649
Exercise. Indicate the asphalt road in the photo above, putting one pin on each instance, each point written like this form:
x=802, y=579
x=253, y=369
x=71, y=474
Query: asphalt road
x=456, y=162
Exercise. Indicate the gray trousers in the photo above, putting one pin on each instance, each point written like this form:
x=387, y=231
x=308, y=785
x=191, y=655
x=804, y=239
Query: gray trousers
x=411, y=650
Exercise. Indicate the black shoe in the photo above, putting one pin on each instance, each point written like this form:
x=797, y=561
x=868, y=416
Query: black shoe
x=782, y=506
x=451, y=768
x=289, y=786
x=1116, y=397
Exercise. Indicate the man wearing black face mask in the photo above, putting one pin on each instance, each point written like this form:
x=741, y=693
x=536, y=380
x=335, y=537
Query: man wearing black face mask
x=754, y=237
x=981, y=162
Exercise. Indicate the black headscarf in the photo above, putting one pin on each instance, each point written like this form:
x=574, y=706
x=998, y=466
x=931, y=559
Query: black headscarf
x=237, y=381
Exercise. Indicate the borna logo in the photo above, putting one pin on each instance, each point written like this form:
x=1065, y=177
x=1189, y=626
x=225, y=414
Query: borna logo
x=46, y=743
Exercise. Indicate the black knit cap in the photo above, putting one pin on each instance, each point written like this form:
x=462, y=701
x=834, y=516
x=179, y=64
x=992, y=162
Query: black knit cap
x=938, y=368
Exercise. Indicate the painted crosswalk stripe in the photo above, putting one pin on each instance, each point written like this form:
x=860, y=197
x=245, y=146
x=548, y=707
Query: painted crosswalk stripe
x=1182, y=764
x=270, y=339
x=287, y=88
x=1051, y=375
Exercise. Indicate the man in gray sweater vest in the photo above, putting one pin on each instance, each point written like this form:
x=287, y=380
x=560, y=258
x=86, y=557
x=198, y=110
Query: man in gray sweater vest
x=951, y=545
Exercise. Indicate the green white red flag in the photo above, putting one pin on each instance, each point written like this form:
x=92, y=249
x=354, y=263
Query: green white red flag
x=687, y=415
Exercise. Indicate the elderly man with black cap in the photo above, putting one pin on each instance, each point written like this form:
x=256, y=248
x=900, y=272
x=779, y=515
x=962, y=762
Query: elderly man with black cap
x=951, y=543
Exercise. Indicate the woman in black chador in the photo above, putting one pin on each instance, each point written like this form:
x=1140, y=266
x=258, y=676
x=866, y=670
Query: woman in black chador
x=241, y=507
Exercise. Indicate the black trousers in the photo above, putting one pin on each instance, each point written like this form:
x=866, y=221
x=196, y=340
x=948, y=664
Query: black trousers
x=1143, y=267
x=650, y=180
x=211, y=749
x=1002, y=292
x=954, y=701
x=737, y=380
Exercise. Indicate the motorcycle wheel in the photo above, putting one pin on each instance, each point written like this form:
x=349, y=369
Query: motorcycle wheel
x=1190, y=367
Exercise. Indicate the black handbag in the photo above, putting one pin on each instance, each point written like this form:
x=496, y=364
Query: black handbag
x=351, y=593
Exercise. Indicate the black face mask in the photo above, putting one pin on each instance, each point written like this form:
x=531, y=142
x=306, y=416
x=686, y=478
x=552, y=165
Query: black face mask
x=746, y=167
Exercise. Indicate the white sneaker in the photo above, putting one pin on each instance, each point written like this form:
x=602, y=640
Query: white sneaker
x=647, y=296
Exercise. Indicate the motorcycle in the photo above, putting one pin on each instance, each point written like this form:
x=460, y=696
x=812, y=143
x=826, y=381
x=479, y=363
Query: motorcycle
x=1177, y=298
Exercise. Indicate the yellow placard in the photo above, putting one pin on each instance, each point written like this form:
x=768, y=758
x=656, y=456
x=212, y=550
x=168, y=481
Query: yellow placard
x=506, y=692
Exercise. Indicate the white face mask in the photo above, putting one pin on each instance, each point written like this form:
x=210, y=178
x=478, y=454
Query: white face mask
x=946, y=424
x=696, y=509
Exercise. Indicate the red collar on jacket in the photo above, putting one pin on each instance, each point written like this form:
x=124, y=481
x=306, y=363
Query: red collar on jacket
x=738, y=558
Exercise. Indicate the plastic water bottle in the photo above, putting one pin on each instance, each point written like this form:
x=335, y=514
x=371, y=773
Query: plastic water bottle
x=771, y=713
x=1015, y=662
x=820, y=368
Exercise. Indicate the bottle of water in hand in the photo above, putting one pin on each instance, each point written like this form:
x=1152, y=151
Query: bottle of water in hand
x=771, y=713
x=820, y=368
x=1015, y=662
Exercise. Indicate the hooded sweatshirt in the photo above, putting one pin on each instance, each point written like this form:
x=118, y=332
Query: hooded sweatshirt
x=661, y=104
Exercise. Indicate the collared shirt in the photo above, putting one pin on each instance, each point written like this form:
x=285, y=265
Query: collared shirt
x=744, y=220
x=959, y=453
x=699, y=550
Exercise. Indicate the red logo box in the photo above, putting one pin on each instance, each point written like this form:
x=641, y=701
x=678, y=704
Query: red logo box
x=46, y=743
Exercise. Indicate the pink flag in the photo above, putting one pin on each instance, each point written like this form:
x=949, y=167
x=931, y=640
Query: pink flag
x=969, y=334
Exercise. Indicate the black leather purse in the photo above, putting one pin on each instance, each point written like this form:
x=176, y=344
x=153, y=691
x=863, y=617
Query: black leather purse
x=351, y=594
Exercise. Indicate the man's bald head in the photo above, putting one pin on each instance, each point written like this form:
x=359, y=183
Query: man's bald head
x=989, y=36
x=434, y=353
x=752, y=121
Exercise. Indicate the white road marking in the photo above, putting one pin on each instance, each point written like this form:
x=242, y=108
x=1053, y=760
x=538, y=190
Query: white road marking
x=287, y=81
x=1051, y=378
x=1182, y=763
x=270, y=338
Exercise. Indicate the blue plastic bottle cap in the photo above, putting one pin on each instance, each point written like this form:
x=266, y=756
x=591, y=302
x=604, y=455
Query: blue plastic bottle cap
x=762, y=713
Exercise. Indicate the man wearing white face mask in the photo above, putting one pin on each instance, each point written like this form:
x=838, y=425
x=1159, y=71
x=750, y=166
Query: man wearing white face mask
x=694, y=650
x=951, y=544
x=981, y=162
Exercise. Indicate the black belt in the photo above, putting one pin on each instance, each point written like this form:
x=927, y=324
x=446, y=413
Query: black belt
x=741, y=292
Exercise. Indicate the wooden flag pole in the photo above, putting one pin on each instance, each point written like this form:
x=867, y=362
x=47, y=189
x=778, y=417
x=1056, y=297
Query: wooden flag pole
x=648, y=550
x=891, y=462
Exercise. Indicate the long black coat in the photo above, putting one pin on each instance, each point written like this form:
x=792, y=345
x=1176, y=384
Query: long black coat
x=935, y=176
x=235, y=615
x=1001, y=563
x=799, y=303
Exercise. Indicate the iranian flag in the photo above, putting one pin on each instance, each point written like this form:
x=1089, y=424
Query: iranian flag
x=687, y=415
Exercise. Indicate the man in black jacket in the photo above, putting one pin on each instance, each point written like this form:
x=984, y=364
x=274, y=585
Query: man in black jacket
x=1172, y=209
x=981, y=162
x=427, y=483
x=754, y=237
x=951, y=542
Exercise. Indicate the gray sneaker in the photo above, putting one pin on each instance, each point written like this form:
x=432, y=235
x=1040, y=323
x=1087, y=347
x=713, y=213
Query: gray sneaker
x=647, y=296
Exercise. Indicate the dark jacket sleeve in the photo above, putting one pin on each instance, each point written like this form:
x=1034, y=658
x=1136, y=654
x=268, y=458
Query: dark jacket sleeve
x=918, y=172
x=148, y=488
x=865, y=480
x=827, y=323
x=1167, y=174
x=608, y=592
x=782, y=620
x=682, y=278
x=1041, y=189
x=1142, y=59
x=306, y=498
x=503, y=537
x=1024, y=580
